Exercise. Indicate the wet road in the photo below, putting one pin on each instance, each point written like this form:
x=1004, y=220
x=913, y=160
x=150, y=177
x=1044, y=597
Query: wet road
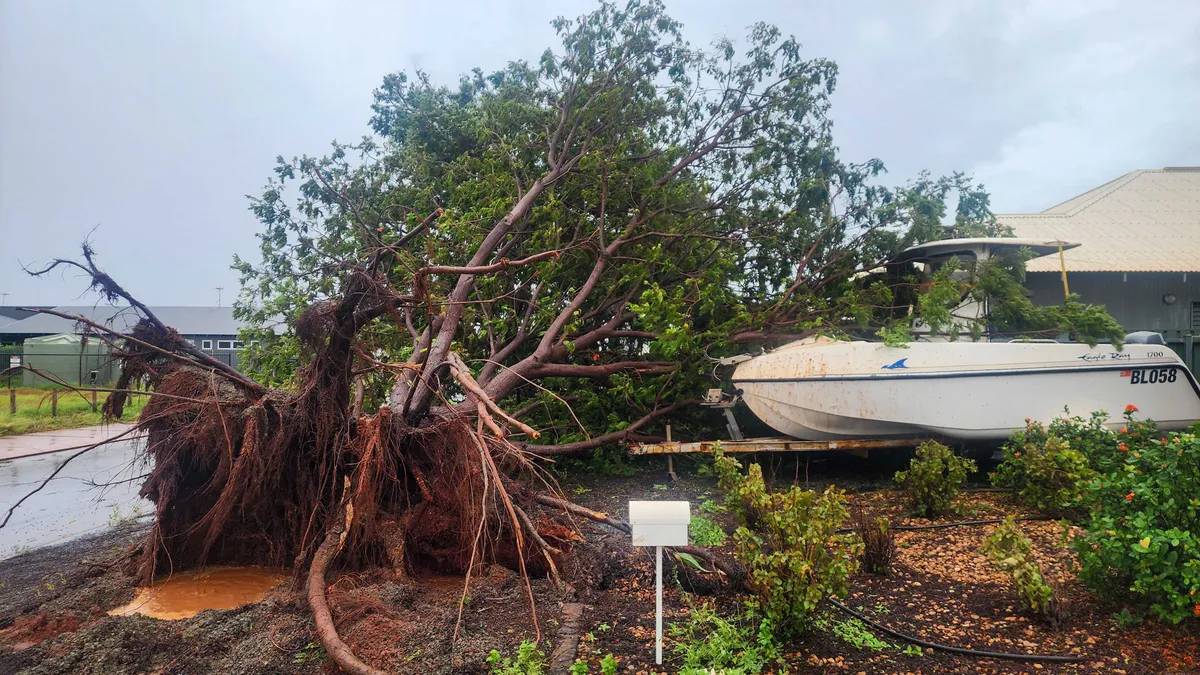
x=76, y=502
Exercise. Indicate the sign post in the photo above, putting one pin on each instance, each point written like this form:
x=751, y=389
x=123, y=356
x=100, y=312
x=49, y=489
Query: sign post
x=659, y=524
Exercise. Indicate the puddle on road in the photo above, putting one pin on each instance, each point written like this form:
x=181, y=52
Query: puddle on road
x=186, y=594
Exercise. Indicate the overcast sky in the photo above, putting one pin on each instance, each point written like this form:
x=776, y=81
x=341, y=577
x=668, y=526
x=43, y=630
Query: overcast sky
x=153, y=120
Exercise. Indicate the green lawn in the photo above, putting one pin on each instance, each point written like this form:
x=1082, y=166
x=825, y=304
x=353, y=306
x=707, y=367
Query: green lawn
x=74, y=410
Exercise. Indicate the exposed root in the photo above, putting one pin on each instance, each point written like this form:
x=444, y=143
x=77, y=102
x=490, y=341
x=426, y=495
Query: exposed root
x=339, y=651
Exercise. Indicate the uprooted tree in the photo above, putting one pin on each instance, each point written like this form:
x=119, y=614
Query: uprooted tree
x=535, y=263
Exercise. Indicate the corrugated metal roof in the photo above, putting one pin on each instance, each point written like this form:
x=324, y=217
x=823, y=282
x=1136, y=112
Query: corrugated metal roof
x=186, y=320
x=1144, y=221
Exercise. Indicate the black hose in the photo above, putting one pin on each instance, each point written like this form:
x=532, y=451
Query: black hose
x=1053, y=658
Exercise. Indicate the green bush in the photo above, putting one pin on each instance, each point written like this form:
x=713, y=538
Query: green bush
x=1104, y=448
x=1011, y=551
x=1044, y=471
x=1142, y=545
x=704, y=532
x=709, y=643
x=934, y=478
x=529, y=661
x=789, y=543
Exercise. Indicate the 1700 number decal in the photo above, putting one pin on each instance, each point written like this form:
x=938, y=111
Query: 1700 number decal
x=1152, y=375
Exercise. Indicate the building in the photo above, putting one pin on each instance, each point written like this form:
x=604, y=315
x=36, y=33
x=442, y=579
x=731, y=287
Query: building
x=1140, y=253
x=212, y=329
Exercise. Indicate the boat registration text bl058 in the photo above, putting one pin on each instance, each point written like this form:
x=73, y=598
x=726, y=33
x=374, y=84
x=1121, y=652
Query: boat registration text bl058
x=1151, y=375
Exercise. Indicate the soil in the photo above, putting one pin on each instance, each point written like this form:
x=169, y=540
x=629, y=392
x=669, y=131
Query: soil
x=53, y=601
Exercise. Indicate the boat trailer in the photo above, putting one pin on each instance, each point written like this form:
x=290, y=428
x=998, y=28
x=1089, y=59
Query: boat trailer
x=738, y=443
x=854, y=446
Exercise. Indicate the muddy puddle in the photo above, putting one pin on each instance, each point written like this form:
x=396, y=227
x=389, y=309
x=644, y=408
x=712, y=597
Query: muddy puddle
x=186, y=594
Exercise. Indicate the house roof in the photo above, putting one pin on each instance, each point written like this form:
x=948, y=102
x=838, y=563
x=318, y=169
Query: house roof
x=9, y=313
x=1144, y=221
x=186, y=320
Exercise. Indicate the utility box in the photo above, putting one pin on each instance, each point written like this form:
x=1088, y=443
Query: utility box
x=660, y=523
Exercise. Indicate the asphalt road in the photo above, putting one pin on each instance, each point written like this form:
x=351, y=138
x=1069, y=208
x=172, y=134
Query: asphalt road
x=91, y=494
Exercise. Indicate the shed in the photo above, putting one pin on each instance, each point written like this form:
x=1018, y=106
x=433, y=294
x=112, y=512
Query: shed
x=68, y=358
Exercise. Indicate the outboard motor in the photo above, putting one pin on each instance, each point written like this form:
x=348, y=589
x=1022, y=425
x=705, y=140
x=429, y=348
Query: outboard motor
x=1144, y=337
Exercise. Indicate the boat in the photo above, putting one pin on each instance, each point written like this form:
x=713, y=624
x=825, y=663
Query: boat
x=826, y=389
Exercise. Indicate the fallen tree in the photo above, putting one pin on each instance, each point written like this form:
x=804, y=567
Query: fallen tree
x=532, y=265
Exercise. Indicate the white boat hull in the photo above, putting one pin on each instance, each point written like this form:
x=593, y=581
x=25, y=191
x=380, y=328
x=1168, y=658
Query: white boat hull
x=959, y=390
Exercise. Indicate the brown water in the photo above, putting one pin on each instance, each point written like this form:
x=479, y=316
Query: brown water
x=186, y=594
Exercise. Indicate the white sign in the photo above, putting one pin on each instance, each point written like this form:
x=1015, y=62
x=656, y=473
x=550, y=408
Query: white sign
x=659, y=524
x=14, y=361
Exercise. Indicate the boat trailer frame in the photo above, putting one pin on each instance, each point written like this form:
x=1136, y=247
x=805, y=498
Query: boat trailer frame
x=738, y=443
x=854, y=446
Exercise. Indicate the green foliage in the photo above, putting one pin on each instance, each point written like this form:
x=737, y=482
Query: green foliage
x=996, y=284
x=708, y=643
x=1011, y=551
x=934, y=478
x=1142, y=545
x=691, y=561
x=580, y=667
x=789, y=543
x=856, y=633
x=603, y=461
x=897, y=335
x=309, y=653
x=529, y=660
x=704, y=532
x=1044, y=471
x=608, y=665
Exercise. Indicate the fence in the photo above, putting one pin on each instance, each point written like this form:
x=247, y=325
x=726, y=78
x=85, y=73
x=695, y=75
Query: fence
x=90, y=397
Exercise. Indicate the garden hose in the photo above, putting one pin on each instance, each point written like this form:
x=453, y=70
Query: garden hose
x=1052, y=658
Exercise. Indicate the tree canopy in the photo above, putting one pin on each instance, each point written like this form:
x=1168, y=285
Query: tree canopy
x=586, y=230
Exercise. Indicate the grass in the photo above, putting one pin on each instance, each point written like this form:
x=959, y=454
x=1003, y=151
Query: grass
x=74, y=410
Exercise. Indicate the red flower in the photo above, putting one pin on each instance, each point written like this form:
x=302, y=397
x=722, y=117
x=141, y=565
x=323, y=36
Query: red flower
x=1129, y=497
x=1123, y=447
x=1130, y=409
x=1197, y=610
x=1124, y=430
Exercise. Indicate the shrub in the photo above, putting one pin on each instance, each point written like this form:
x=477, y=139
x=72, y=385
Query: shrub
x=1142, y=545
x=1044, y=471
x=708, y=643
x=529, y=661
x=879, y=542
x=704, y=532
x=1011, y=551
x=789, y=543
x=1104, y=448
x=934, y=478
